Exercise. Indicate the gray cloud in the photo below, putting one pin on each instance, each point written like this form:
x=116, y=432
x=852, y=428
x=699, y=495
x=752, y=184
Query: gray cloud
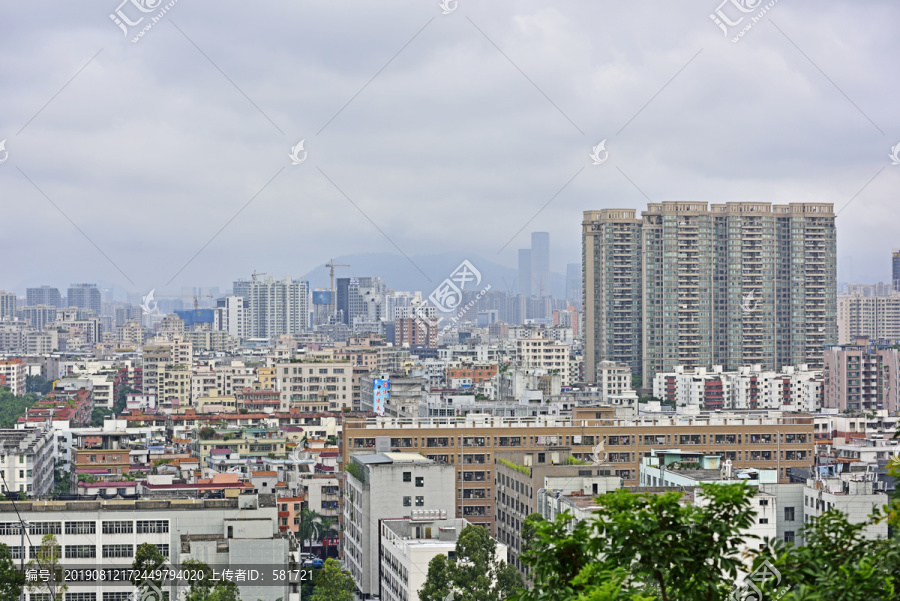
x=151, y=150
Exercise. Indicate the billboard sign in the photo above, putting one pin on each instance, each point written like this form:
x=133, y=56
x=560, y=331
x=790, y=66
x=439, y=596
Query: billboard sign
x=381, y=393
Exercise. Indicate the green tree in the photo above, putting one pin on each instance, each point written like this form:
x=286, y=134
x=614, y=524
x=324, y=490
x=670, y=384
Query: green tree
x=837, y=561
x=529, y=527
x=13, y=407
x=643, y=546
x=313, y=526
x=147, y=559
x=333, y=583
x=47, y=561
x=206, y=589
x=11, y=579
x=37, y=385
x=438, y=581
x=475, y=575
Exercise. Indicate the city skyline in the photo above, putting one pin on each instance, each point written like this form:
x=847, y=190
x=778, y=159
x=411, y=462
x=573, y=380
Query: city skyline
x=643, y=93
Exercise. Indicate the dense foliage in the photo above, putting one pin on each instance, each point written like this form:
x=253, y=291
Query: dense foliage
x=11, y=579
x=333, y=583
x=13, y=407
x=474, y=574
x=654, y=547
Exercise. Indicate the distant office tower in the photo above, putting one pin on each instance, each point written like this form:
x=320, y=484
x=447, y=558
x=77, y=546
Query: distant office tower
x=321, y=307
x=895, y=269
x=7, y=305
x=540, y=263
x=45, y=295
x=361, y=300
x=611, y=252
x=342, y=300
x=84, y=296
x=525, y=272
x=274, y=307
x=734, y=284
x=573, y=282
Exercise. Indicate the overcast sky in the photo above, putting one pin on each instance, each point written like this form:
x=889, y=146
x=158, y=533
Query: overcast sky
x=449, y=132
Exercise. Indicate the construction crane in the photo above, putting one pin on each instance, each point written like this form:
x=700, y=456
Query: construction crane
x=331, y=265
x=196, y=299
x=256, y=273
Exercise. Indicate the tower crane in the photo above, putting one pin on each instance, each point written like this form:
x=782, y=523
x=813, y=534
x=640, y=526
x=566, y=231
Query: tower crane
x=331, y=265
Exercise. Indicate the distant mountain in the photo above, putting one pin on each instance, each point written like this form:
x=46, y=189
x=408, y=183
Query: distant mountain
x=400, y=274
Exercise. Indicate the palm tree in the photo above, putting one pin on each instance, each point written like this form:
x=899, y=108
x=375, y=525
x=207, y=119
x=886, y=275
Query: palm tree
x=313, y=526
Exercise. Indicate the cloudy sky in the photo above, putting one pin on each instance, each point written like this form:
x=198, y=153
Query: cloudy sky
x=424, y=132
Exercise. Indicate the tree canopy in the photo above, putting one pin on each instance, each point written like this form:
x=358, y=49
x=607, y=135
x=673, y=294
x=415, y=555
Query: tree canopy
x=333, y=583
x=11, y=579
x=475, y=573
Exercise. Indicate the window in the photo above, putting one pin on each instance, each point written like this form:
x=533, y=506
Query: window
x=154, y=526
x=407, y=501
x=407, y=476
x=80, y=551
x=420, y=481
x=81, y=596
x=35, y=549
x=117, y=596
x=542, y=458
x=118, y=551
x=763, y=502
x=81, y=528
x=7, y=528
x=420, y=501
x=763, y=520
x=116, y=527
x=788, y=516
x=163, y=549
x=42, y=528
x=788, y=536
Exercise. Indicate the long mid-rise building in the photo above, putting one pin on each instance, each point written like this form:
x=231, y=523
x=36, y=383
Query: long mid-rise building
x=740, y=283
x=471, y=444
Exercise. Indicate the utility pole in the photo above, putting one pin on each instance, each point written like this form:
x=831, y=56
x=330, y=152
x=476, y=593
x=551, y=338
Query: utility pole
x=331, y=265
